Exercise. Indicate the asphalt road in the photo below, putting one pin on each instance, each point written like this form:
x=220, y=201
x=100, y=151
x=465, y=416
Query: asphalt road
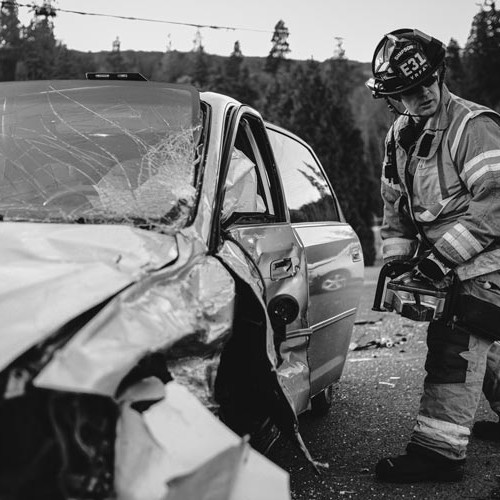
x=372, y=417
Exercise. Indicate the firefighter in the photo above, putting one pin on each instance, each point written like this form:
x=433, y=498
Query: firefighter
x=441, y=192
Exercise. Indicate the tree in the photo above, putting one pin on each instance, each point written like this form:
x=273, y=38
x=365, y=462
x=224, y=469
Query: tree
x=314, y=104
x=10, y=40
x=454, y=68
x=233, y=78
x=38, y=50
x=70, y=64
x=279, y=49
x=482, y=57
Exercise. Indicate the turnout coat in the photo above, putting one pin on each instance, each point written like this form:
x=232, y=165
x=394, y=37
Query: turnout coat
x=442, y=192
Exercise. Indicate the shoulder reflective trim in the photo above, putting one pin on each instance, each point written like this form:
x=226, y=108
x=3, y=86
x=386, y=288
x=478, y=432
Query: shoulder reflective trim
x=480, y=157
x=456, y=435
x=482, y=171
x=459, y=133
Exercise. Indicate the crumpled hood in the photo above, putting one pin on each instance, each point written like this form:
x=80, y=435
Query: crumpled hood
x=51, y=273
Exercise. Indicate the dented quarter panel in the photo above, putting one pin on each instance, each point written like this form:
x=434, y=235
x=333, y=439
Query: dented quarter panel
x=51, y=273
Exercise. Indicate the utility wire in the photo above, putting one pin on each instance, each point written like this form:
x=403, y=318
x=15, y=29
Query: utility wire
x=132, y=18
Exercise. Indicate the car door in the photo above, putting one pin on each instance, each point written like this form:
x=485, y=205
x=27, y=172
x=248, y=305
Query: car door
x=254, y=214
x=333, y=255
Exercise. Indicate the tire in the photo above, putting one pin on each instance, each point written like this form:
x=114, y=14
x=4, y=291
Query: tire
x=320, y=404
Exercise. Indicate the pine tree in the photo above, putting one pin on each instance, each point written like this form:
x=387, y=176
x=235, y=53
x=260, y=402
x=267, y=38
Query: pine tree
x=279, y=49
x=454, y=68
x=233, y=78
x=201, y=69
x=315, y=106
x=482, y=57
x=10, y=40
x=38, y=50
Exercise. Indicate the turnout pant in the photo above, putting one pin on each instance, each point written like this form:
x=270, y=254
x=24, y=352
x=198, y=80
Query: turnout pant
x=459, y=367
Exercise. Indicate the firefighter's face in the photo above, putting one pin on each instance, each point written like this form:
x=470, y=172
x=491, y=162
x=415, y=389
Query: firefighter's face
x=423, y=100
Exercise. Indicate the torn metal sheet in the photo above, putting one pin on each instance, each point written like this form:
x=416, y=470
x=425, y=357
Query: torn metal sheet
x=176, y=437
x=238, y=262
x=294, y=373
x=185, y=309
x=199, y=374
x=58, y=271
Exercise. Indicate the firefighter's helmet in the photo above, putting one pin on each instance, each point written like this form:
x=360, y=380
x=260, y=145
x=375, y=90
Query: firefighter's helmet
x=404, y=59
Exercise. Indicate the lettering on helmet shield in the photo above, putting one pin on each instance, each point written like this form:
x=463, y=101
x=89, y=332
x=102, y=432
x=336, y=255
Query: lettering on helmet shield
x=401, y=52
x=414, y=66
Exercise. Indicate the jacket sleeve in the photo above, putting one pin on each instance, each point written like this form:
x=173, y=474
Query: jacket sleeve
x=399, y=239
x=478, y=163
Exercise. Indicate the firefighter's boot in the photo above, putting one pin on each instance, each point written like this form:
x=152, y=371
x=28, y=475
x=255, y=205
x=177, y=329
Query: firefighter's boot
x=419, y=465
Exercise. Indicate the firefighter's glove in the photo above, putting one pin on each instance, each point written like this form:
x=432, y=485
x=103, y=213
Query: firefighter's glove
x=398, y=267
x=431, y=269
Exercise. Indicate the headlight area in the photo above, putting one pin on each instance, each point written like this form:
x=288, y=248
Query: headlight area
x=55, y=445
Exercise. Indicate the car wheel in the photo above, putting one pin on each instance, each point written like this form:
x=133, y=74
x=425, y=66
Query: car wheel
x=320, y=404
x=333, y=281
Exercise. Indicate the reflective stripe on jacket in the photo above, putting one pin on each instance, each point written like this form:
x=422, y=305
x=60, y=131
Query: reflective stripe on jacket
x=455, y=192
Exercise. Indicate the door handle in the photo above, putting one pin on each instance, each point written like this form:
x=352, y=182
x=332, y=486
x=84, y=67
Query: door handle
x=355, y=253
x=282, y=268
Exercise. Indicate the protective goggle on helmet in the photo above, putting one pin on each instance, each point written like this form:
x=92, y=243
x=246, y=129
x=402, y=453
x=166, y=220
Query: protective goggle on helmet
x=404, y=59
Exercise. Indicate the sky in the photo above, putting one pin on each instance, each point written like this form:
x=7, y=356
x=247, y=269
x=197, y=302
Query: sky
x=315, y=26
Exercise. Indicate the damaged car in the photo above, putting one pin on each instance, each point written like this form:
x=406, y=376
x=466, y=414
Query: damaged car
x=159, y=248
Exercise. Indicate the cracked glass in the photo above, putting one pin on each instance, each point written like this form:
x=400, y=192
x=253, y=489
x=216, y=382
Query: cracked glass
x=99, y=152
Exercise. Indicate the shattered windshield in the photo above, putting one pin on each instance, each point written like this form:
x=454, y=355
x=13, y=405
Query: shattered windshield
x=98, y=152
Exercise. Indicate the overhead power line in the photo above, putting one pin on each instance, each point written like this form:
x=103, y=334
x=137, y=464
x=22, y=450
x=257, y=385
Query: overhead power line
x=133, y=18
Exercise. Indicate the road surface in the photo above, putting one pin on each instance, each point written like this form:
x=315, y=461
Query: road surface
x=372, y=416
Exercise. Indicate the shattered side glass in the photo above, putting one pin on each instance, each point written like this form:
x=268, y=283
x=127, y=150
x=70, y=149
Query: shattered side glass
x=99, y=152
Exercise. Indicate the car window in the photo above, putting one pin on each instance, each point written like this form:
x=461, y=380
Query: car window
x=307, y=192
x=247, y=187
x=99, y=152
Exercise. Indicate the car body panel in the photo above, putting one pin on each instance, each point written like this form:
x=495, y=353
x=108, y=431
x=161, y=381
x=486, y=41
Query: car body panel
x=124, y=282
x=331, y=249
x=334, y=262
x=59, y=271
x=192, y=298
x=173, y=439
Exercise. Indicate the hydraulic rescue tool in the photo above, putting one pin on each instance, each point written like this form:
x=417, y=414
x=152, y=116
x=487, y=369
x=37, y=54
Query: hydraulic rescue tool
x=411, y=296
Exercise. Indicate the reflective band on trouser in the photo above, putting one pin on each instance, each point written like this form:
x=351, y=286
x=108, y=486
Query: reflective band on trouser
x=456, y=364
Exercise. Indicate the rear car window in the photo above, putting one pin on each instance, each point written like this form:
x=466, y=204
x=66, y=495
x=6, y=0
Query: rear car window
x=307, y=192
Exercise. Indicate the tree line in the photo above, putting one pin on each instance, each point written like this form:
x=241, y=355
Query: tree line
x=324, y=103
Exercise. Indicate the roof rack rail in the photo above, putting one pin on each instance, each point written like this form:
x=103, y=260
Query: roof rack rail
x=113, y=75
